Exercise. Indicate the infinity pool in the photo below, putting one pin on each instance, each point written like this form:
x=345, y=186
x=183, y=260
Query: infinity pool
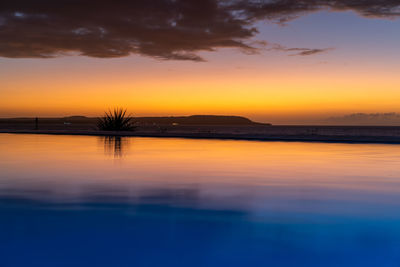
x=92, y=201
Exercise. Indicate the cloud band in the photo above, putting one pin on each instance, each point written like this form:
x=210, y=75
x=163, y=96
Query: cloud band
x=164, y=29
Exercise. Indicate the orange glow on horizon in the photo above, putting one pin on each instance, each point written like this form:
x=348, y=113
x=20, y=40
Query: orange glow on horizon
x=293, y=90
x=272, y=97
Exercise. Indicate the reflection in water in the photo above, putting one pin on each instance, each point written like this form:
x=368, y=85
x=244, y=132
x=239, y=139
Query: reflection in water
x=115, y=146
x=181, y=202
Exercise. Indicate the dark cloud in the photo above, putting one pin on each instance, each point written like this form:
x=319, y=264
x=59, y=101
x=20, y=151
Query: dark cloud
x=165, y=29
x=285, y=10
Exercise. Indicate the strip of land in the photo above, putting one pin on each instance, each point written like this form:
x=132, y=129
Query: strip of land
x=233, y=128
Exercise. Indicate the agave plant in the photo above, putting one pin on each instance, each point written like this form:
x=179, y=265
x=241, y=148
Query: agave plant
x=116, y=120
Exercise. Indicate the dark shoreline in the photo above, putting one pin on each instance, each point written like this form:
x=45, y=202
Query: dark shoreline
x=359, y=139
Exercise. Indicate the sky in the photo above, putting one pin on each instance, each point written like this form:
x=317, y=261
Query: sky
x=284, y=62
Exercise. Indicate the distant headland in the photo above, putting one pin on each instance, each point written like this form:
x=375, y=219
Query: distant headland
x=204, y=126
x=89, y=122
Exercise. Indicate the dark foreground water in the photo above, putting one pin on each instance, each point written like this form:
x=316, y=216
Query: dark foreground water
x=89, y=201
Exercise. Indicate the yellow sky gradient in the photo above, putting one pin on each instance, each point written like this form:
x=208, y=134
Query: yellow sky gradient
x=262, y=92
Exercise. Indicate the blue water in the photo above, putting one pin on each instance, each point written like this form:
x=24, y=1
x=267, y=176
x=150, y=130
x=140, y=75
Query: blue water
x=87, y=201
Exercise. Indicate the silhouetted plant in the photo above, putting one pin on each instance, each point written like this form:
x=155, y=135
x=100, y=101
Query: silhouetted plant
x=116, y=120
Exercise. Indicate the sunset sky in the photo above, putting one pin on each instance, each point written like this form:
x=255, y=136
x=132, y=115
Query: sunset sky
x=272, y=61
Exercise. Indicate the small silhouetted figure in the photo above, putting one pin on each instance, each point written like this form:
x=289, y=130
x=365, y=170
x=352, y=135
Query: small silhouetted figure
x=36, y=123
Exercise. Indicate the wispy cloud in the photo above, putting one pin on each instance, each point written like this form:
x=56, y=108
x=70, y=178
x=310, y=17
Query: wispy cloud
x=296, y=51
x=164, y=29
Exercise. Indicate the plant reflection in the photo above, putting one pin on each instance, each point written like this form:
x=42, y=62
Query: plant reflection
x=116, y=146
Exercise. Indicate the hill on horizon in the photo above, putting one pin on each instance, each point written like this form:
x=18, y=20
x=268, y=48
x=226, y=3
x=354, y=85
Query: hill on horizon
x=197, y=120
x=167, y=120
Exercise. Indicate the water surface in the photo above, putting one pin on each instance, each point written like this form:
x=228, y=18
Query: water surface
x=91, y=201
